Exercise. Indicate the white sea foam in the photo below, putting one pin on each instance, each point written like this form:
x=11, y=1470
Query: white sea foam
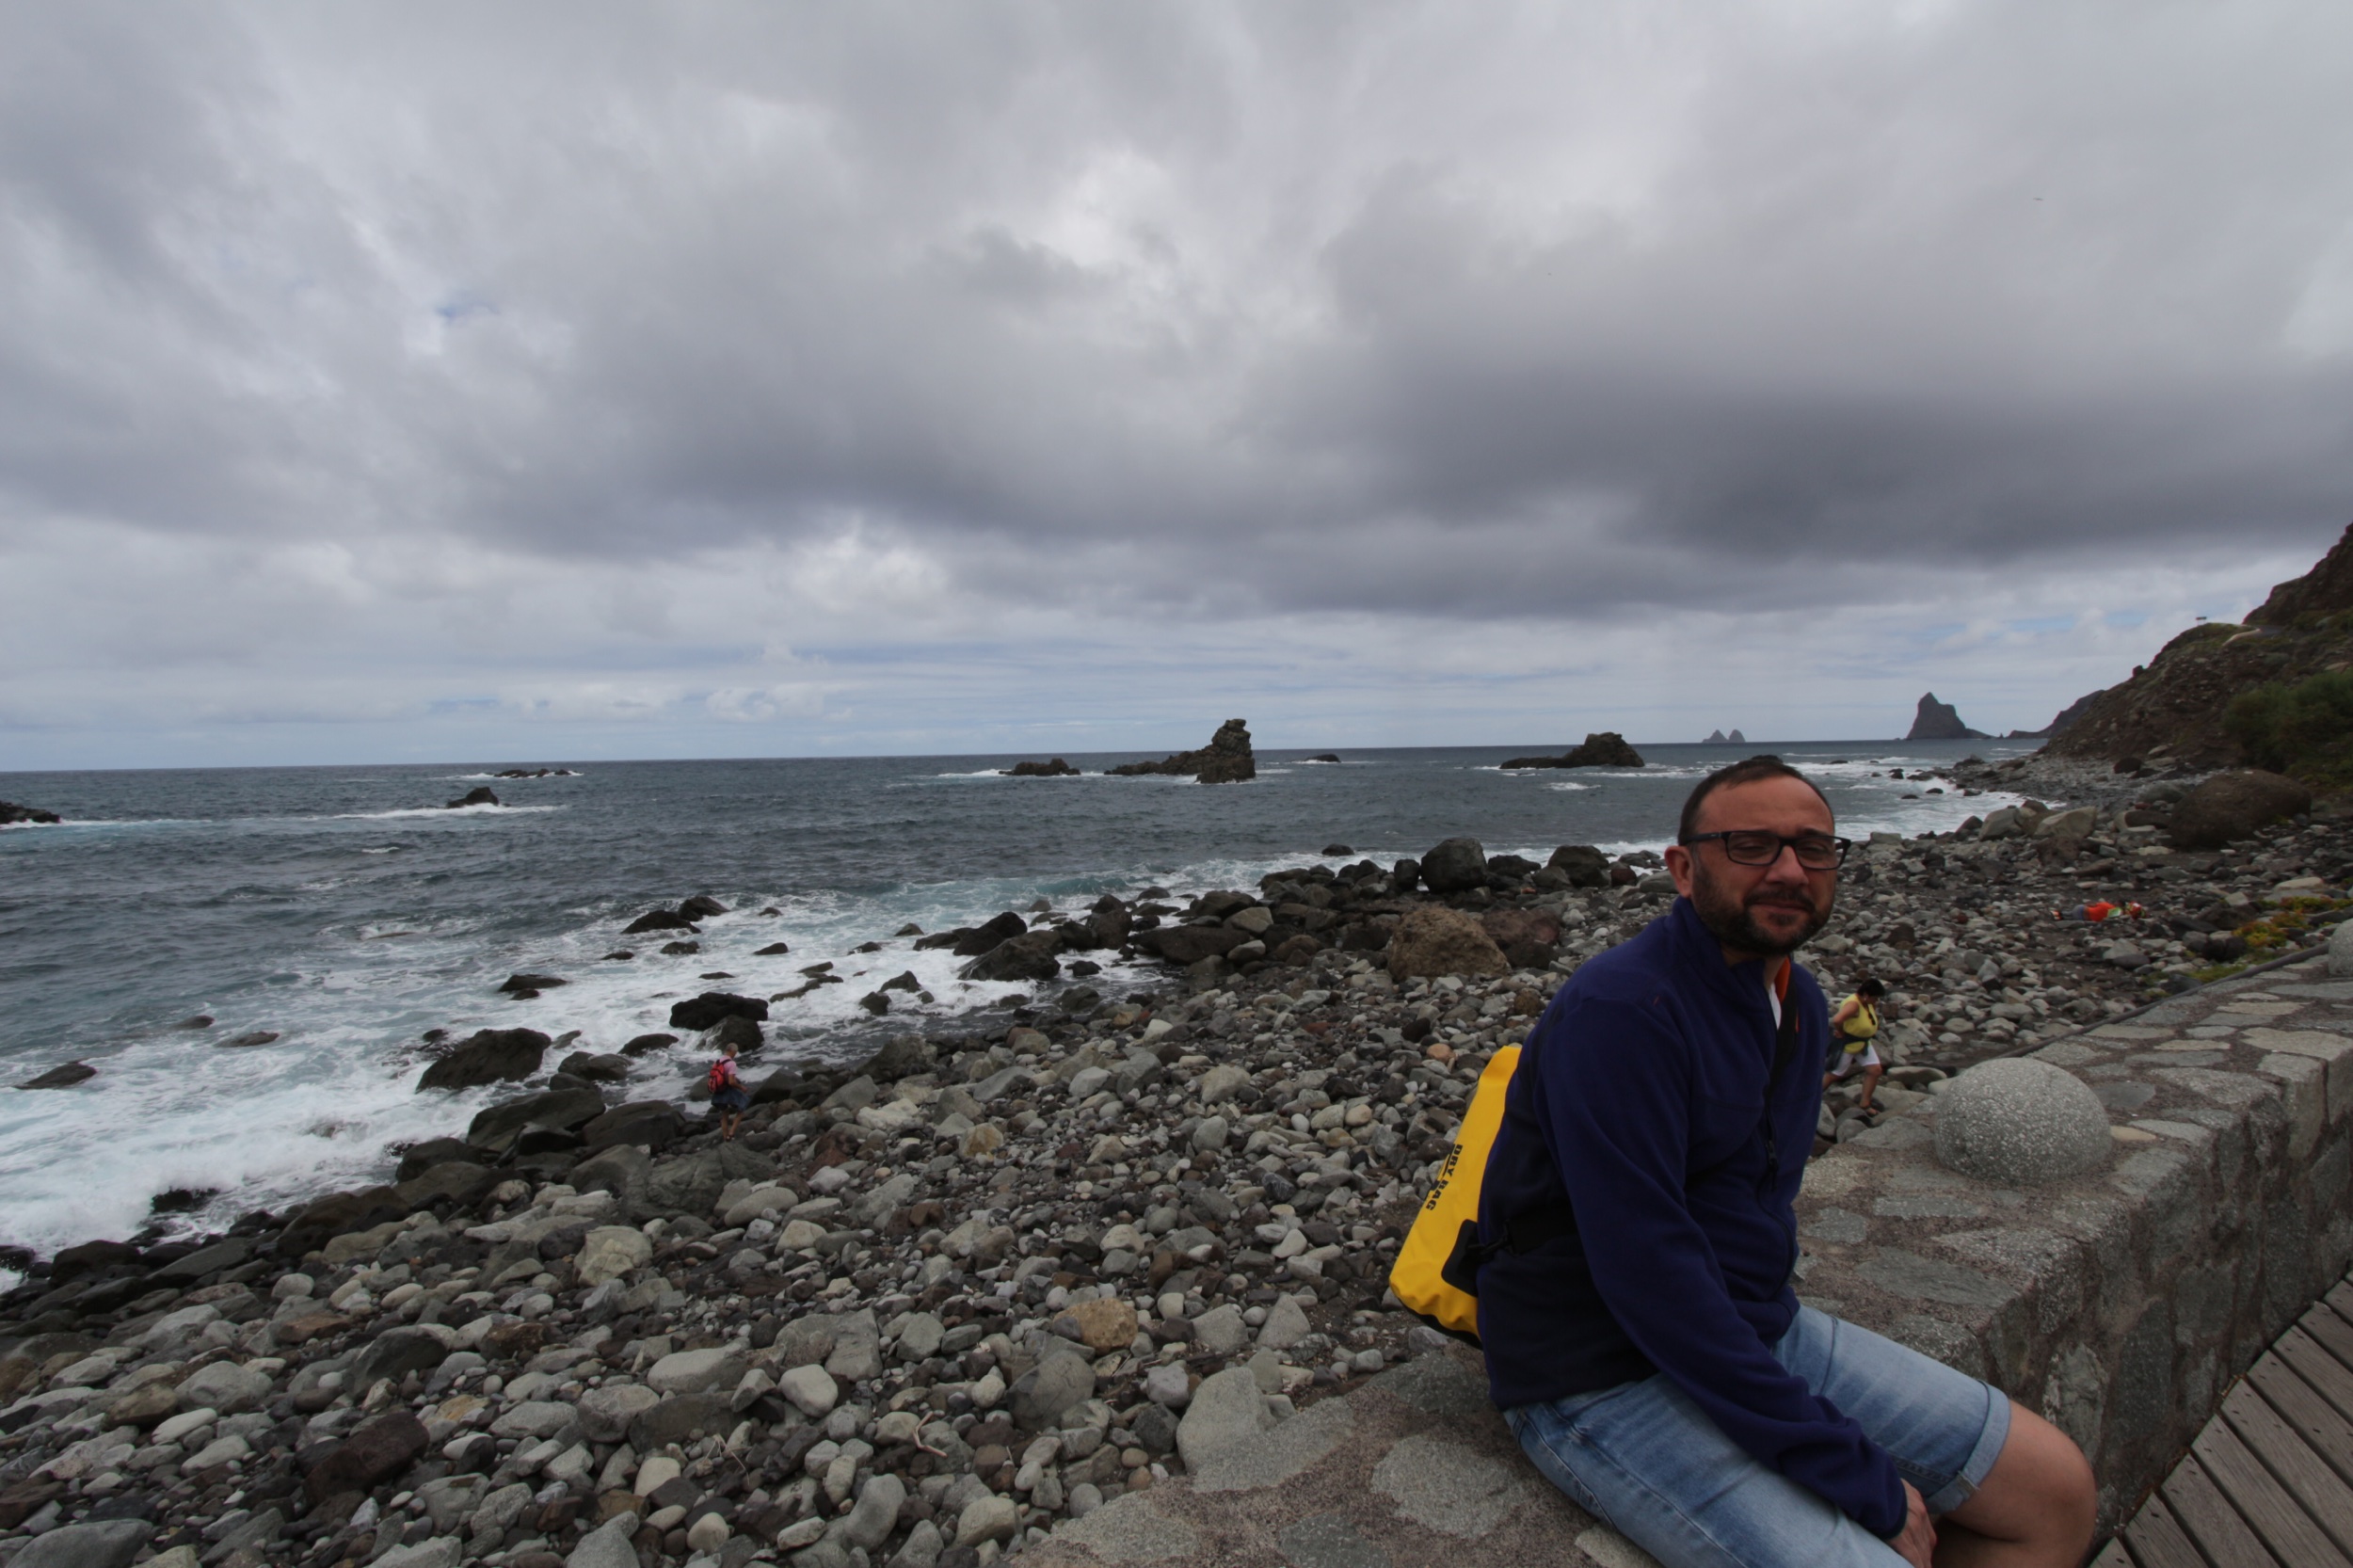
x=482, y=810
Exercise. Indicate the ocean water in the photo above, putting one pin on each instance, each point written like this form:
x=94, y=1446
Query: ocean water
x=346, y=910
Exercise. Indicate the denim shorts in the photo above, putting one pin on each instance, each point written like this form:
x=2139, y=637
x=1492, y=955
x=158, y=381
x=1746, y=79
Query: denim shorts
x=1646, y=1458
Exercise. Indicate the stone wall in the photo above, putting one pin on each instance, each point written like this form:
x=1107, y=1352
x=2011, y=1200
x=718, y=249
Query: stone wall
x=2120, y=1304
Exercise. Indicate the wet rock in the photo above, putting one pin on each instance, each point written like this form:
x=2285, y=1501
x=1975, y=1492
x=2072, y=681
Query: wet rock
x=1227, y=759
x=707, y=1010
x=494, y=1127
x=12, y=814
x=61, y=1078
x=481, y=794
x=1026, y=957
x=655, y=1124
x=487, y=1056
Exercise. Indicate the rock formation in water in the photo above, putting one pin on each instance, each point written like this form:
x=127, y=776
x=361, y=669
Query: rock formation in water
x=1938, y=721
x=1605, y=750
x=1227, y=759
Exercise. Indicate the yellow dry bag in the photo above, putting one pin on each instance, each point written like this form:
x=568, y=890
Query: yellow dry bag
x=1420, y=1277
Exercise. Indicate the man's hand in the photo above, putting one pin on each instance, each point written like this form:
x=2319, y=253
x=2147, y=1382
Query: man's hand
x=1917, y=1544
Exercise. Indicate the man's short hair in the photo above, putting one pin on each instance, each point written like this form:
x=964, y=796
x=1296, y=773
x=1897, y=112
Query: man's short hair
x=1872, y=987
x=1749, y=772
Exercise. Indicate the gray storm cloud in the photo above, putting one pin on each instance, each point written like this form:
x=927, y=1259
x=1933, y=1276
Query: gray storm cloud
x=1233, y=308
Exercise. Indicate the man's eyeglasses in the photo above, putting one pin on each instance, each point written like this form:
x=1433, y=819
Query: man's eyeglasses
x=1743, y=846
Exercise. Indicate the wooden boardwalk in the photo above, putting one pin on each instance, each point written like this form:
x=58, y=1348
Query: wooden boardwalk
x=2270, y=1479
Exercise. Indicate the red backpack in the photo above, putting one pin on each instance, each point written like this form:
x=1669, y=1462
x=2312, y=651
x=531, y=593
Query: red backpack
x=721, y=1071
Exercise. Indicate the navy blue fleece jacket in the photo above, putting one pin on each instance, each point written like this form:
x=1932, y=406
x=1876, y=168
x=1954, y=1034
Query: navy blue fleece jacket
x=1640, y=1104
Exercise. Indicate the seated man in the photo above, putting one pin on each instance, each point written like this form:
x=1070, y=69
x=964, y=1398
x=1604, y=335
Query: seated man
x=1642, y=1335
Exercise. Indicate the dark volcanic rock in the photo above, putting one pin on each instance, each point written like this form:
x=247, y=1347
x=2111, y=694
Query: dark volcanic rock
x=1604, y=748
x=1586, y=865
x=737, y=1031
x=981, y=939
x=1455, y=866
x=658, y=920
x=702, y=908
x=377, y=1450
x=550, y=1107
x=1054, y=769
x=518, y=985
x=479, y=795
x=61, y=1078
x=645, y=1043
x=1190, y=944
x=610, y=1068
x=705, y=1011
x=1024, y=957
x=2231, y=806
x=11, y=812
x=420, y=1158
x=1940, y=721
x=487, y=1056
x=88, y=1258
x=334, y=1215
x=1227, y=759
x=655, y=1124
x=1110, y=920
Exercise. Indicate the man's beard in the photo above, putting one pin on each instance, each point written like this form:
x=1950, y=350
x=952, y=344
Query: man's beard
x=1736, y=927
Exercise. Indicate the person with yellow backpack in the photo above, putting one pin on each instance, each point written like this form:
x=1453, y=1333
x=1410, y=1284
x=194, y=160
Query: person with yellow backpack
x=1616, y=1229
x=1851, y=1030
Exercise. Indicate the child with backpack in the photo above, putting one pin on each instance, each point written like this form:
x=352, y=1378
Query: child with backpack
x=729, y=1099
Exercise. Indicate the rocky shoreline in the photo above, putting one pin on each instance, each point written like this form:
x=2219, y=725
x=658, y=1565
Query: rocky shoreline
x=933, y=1305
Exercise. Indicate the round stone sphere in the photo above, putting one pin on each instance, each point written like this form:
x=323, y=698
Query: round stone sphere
x=2341, y=951
x=2020, y=1123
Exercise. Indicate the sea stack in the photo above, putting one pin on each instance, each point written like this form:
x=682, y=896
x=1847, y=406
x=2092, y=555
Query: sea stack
x=1941, y=721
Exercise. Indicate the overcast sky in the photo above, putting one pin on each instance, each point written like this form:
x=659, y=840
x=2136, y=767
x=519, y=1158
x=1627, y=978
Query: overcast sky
x=513, y=381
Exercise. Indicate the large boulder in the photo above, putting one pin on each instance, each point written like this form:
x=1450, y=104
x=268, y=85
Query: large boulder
x=487, y=1056
x=1190, y=944
x=338, y=1215
x=658, y=920
x=1433, y=940
x=705, y=1011
x=12, y=814
x=1111, y=921
x=1456, y=866
x=550, y=1108
x=2020, y=1123
x=1584, y=865
x=1026, y=957
x=655, y=1124
x=691, y=1184
x=981, y=939
x=2231, y=806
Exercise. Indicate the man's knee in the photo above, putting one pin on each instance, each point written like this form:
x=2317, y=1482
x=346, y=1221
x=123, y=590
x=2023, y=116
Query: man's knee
x=2041, y=1487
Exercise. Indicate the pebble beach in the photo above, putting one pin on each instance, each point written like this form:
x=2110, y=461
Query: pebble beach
x=1006, y=1266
